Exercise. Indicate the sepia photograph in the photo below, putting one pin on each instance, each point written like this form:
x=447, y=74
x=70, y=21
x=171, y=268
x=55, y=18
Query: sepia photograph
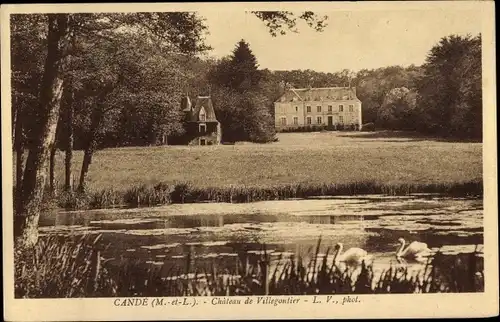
x=248, y=157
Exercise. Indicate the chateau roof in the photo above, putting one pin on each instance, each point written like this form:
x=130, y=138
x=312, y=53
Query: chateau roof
x=206, y=103
x=319, y=94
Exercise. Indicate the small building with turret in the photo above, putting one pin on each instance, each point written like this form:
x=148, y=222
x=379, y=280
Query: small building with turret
x=200, y=123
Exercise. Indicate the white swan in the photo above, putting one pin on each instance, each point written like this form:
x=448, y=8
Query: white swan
x=352, y=256
x=415, y=250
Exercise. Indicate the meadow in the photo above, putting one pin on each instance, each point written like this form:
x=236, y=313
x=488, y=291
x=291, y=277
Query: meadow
x=307, y=158
x=299, y=165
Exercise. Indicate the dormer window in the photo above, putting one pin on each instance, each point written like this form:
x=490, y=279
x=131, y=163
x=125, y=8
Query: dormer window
x=203, y=115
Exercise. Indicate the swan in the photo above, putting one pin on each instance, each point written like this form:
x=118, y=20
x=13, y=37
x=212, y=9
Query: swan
x=352, y=256
x=414, y=250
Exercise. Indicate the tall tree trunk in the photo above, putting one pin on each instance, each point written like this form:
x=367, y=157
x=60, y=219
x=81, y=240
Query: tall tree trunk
x=19, y=147
x=52, y=177
x=91, y=146
x=26, y=219
x=68, y=108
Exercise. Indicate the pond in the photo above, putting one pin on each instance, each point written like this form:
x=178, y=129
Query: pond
x=219, y=232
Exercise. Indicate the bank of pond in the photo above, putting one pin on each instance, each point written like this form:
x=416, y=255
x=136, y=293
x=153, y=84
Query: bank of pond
x=178, y=193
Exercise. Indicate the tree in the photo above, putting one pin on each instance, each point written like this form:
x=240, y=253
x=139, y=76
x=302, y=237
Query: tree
x=450, y=88
x=243, y=111
x=398, y=110
x=239, y=71
x=28, y=51
x=372, y=87
x=58, y=38
x=125, y=77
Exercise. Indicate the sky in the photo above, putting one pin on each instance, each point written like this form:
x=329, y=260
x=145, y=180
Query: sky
x=352, y=40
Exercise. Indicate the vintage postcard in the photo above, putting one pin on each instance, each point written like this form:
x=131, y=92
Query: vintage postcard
x=249, y=160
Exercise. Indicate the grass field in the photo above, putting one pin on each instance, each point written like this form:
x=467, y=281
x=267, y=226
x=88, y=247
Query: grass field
x=309, y=158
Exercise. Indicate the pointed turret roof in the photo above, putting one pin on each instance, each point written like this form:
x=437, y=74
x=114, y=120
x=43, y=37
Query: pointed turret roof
x=204, y=102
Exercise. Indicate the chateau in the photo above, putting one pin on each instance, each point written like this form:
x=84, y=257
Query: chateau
x=331, y=107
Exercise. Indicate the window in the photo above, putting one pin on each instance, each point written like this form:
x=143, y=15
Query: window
x=203, y=114
x=283, y=121
x=329, y=108
x=203, y=142
x=351, y=108
x=203, y=128
x=295, y=120
x=341, y=119
x=309, y=121
x=308, y=109
x=318, y=108
x=341, y=108
x=319, y=120
x=296, y=108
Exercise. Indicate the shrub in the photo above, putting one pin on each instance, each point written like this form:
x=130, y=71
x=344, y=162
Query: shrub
x=145, y=195
x=74, y=200
x=368, y=127
x=181, y=193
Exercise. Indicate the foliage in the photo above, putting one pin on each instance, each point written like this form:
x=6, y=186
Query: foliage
x=28, y=53
x=239, y=71
x=243, y=111
x=141, y=88
x=64, y=267
x=374, y=85
x=281, y=21
x=449, y=93
x=398, y=111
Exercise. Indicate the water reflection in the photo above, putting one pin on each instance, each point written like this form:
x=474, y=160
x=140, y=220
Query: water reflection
x=229, y=234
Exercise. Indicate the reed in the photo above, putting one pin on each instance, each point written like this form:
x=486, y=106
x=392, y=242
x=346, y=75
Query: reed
x=164, y=193
x=148, y=195
x=62, y=267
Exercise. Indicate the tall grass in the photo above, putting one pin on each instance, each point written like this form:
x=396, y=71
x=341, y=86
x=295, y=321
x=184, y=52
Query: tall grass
x=62, y=267
x=163, y=193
